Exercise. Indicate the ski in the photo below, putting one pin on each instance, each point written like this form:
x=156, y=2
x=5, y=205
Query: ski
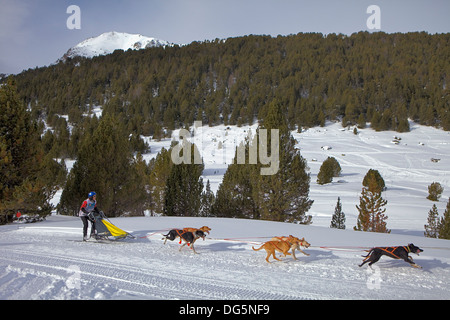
x=93, y=241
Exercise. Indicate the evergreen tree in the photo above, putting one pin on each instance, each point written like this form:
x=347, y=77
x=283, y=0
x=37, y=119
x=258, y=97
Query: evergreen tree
x=159, y=168
x=137, y=188
x=338, y=218
x=434, y=191
x=25, y=181
x=207, y=201
x=374, y=181
x=361, y=121
x=432, y=228
x=283, y=196
x=444, y=223
x=235, y=196
x=330, y=168
x=371, y=210
x=184, y=187
x=104, y=164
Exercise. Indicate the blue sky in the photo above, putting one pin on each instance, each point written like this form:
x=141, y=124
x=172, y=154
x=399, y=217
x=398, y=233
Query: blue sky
x=34, y=32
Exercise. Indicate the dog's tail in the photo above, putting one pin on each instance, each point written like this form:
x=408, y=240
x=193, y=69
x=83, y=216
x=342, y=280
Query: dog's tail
x=258, y=248
x=166, y=236
x=369, y=253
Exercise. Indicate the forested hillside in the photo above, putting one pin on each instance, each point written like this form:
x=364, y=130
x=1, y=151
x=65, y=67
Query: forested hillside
x=366, y=77
x=283, y=82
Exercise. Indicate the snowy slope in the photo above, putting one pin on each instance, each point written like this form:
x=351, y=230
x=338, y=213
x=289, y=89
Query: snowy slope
x=406, y=167
x=42, y=261
x=107, y=42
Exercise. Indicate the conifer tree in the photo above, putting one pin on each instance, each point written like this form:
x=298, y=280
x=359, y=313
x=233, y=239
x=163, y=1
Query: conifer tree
x=283, y=196
x=374, y=181
x=137, y=188
x=372, y=206
x=104, y=165
x=235, y=196
x=371, y=212
x=159, y=171
x=444, y=223
x=184, y=187
x=338, y=218
x=434, y=191
x=25, y=183
x=432, y=228
x=207, y=201
x=330, y=168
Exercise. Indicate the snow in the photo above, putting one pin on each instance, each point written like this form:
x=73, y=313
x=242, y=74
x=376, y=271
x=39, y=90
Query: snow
x=108, y=42
x=42, y=260
x=406, y=167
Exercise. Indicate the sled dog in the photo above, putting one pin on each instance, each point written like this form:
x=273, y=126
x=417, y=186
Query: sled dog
x=394, y=252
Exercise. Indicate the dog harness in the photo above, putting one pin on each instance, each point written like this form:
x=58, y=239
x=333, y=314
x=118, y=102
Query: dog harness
x=391, y=252
x=273, y=242
x=180, y=233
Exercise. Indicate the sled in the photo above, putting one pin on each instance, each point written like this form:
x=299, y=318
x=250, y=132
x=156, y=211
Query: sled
x=105, y=230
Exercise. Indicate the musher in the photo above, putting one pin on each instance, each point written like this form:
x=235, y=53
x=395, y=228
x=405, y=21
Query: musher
x=86, y=213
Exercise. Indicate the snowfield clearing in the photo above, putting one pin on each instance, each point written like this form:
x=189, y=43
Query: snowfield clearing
x=47, y=261
x=403, y=160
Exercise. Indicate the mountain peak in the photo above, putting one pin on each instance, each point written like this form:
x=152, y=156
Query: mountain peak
x=107, y=42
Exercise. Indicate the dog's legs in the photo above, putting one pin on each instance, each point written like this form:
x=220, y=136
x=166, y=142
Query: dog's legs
x=368, y=259
x=374, y=259
x=182, y=246
x=274, y=256
x=273, y=253
x=192, y=246
x=412, y=263
x=285, y=253
x=293, y=254
x=306, y=254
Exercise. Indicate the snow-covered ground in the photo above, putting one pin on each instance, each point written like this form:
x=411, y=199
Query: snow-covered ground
x=41, y=260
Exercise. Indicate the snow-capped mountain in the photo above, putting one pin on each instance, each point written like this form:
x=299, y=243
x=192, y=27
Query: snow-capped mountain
x=107, y=42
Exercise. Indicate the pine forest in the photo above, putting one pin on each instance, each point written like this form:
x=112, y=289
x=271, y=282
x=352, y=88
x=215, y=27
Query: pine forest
x=285, y=82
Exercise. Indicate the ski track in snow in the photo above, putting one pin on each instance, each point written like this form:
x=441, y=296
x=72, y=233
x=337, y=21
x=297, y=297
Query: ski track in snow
x=45, y=263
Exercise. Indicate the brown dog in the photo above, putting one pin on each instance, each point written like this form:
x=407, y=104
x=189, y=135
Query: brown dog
x=283, y=246
x=204, y=229
x=303, y=243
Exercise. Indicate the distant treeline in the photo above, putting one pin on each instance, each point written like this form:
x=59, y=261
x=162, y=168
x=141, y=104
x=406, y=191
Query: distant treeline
x=366, y=77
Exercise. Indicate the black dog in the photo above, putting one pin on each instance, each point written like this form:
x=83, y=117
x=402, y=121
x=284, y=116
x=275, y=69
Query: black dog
x=394, y=252
x=188, y=237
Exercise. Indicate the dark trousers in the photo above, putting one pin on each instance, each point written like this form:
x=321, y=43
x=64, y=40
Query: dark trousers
x=85, y=226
